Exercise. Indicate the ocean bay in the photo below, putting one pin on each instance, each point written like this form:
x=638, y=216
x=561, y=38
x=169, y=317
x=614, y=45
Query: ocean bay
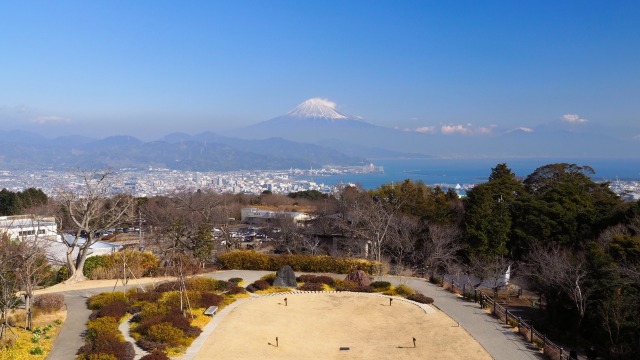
x=450, y=172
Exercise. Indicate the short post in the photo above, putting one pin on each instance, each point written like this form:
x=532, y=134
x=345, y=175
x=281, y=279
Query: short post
x=414, y=342
x=390, y=300
x=285, y=301
x=561, y=351
x=531, y=332
x=506, y=316
x=276, y=341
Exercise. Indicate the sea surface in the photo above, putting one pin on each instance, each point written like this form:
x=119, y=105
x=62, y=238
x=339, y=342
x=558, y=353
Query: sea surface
x=450, y=172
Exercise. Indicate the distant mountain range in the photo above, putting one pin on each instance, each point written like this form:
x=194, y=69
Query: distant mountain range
x=203, y=152
x=311, y=135
x=317, y=121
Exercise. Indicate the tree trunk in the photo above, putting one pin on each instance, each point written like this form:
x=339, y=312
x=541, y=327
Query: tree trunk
x=76, y=270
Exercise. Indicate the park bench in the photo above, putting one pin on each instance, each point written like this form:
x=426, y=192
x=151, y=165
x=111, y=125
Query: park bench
x=211, y=310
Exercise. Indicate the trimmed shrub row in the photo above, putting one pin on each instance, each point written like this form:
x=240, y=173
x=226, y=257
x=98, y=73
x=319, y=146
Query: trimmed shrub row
x=421, y=298
x=251, y=260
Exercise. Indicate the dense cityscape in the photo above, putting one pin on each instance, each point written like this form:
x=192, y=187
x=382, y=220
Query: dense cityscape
x=156, y=181
x=160, y=181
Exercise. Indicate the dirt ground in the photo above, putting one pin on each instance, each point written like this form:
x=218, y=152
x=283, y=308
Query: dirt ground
x=317, y=326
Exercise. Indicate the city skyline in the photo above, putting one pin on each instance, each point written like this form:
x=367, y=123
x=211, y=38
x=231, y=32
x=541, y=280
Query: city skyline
x=466, y=69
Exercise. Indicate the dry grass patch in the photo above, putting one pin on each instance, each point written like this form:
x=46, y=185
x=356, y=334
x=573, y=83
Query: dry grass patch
x=35, y=344
x=318, y=325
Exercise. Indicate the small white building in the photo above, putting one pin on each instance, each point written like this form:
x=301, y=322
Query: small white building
x=28, y=227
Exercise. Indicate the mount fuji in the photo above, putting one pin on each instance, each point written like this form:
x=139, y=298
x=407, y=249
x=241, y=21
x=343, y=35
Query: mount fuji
x=318, y=121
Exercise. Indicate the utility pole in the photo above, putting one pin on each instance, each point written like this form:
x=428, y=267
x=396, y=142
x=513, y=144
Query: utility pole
x=140, y=237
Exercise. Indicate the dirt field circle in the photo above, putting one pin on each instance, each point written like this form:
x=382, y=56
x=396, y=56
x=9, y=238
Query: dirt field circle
x=317, y=326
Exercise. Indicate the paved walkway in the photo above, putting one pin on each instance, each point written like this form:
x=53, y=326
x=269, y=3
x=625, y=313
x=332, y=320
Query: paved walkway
x=498, y=339
x=70, y=338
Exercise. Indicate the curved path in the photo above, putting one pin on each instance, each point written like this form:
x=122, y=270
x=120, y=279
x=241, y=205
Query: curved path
x=499, y=340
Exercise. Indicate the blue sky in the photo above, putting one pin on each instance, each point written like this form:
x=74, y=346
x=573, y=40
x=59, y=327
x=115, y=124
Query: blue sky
x=148, y=68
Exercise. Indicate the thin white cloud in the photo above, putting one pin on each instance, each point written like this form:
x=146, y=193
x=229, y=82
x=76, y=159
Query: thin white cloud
x=484, y=130
x=44, y=120
x=453, y=129
x=523, y=129
x=450, y=129
x=637, y=137
x=426, y=129
x=573, y=118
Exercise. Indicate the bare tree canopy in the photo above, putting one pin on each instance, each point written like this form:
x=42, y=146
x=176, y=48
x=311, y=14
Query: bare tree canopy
x=90, y=208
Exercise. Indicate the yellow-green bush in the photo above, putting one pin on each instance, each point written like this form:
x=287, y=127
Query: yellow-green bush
x=110, y=266
x=96, y=302
x=251, y=260
x=154, y=309
x=404, y=290
x=201, y=284
x=167, y=333
x=102, y=326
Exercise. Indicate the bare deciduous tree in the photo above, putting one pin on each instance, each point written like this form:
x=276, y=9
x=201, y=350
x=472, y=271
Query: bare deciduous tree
x=439, y=248
x=90, y=211
x=371, y=220
x=555, y=268
x=492, y=271
x=402, y=238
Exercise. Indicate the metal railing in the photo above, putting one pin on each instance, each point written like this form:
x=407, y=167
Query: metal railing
x=551, y=350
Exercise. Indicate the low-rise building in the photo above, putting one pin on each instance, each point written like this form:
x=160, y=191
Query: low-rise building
x=28, y=227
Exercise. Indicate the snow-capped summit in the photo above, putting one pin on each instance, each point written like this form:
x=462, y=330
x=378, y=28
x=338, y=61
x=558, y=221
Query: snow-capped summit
x=317, y=108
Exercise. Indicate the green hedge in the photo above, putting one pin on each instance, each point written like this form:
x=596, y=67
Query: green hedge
x=251, y=260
